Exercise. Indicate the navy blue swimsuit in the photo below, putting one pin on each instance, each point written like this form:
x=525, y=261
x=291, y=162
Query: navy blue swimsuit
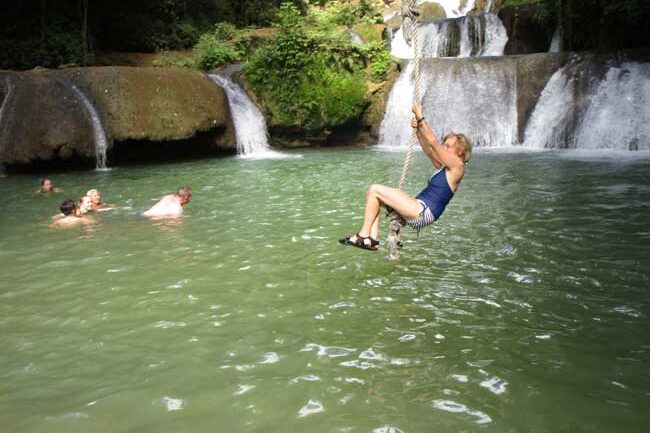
x=437, y=193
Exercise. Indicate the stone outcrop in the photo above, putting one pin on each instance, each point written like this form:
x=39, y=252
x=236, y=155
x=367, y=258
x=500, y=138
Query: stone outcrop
x=43, y=119
x=526, y=32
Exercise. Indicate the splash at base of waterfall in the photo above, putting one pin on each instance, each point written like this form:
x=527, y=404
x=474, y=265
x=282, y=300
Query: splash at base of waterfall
x=250, y=126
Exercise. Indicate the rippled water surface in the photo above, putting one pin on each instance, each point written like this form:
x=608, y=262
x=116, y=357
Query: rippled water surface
x=524, y=309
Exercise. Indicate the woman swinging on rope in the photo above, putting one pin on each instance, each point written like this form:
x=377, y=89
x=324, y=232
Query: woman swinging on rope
x=449, y=159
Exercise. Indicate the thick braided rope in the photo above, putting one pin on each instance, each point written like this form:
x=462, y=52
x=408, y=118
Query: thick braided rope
x=415, y=36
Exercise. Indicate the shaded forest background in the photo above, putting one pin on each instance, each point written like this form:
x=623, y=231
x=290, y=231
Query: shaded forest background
x=55, y=33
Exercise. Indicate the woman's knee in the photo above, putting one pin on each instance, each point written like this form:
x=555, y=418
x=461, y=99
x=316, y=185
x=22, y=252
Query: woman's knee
x=374, y=189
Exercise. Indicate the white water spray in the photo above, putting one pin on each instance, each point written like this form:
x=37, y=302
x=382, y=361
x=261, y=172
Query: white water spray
x=474, y=97
x=549, y=124
x=435, y=37
x=399, y=48
x=454, y=8
x=556, y=42
x=395, y=129
x=618, y=116
x=250, y=126
x=496, y=36
x=611, y=114
x=101, y=143
x=9, y=88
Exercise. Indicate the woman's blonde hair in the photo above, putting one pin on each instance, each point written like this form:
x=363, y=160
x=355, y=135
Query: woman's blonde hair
x=464, y=142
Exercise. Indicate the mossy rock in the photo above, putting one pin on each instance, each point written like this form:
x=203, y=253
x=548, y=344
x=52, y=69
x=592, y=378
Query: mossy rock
x=45, y=119
x=369, y=32
x=431, y=11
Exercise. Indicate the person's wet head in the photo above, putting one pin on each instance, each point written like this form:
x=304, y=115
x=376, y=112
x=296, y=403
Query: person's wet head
x=460, y=144
x=85, y=205
x=68, y=207
x=184, y=193
x=46, y=185
x=95, y=197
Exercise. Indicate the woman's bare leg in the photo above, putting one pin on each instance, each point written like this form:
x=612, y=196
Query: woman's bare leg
x=395, y=198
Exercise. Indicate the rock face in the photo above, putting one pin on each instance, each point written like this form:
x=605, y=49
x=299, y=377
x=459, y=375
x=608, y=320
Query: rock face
x=43, y=119
x=526, y=33
x=430, y=11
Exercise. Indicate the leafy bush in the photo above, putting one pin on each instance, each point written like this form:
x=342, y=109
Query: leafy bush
x=380, y=58
x=210, y=52
x=224, y=31
x=59, y=45
x=306, y=79
x=353, y=13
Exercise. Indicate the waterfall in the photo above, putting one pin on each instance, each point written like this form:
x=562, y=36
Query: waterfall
x=438, y=39
x=9, y=88
x=474, y=35
x=101, y=143
x=395, y=129
x=580, y=112
x=467, y=42
x=250, y=126
x=455, y=8
x=496, y=36
x=618, y=116
x=475, y=97
x=556, y=42
x=552, y=117
x=399, y=48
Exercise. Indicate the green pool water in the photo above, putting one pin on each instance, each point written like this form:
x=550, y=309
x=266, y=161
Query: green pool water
x=524, y=309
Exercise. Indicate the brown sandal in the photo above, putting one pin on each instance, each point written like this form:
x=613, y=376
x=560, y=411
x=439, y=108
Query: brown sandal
x=365, y=243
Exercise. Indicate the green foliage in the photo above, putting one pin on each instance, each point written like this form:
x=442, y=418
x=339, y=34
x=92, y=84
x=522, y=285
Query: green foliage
x=55, y=44
x=211, y=52
x=345, y=12
x=305, y=78
x=169, y=59
x=380, y=58
x=224, y=31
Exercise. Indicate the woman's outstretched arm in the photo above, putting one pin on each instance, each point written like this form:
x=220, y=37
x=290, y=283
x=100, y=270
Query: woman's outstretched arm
x=430, y=143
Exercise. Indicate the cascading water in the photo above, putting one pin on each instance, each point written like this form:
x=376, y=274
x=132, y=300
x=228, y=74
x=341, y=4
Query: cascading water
x=556, y=41
x=101, y=143
x=618, y=116
x=475, y=97
x=612, y=113
x=438, y=39
x=399, y=48
x=9, y=88
x=496, y=36
x=250, y=126
x=395, y=130
x=468, y=26
x=551, y=119
x=474, y=35
x=455, y=8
